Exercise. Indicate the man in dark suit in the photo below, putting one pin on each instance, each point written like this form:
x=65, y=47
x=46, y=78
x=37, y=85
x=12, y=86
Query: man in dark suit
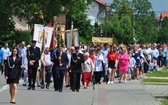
x=76, y=69
x=60, y=65
x=33, y=56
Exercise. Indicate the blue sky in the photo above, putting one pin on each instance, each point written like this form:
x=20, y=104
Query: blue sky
x=158, y=5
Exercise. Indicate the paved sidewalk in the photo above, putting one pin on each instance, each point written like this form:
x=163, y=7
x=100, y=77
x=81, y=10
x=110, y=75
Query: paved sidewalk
x=130, y=93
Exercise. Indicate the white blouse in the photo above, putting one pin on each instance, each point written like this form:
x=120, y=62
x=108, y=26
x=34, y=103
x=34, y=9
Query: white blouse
x=98, y=63
x=87, y=66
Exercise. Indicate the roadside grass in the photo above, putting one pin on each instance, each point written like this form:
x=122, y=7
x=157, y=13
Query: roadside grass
x=154, y=80
x=162, y=73
x=164, y=102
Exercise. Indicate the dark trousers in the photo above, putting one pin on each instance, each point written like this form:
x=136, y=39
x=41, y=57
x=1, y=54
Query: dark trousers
x=71, y=79
x=98, y=76
x=76, y=81
x=160, y=59
x=48, y=74
x=58, y=79
x=32, y=71
x=164, y=61
x=2, y=66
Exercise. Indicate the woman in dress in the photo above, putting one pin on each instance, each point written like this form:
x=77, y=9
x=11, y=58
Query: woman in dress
x=123, y=63
x=112, y=58
x=87, y=69
x=13, y=73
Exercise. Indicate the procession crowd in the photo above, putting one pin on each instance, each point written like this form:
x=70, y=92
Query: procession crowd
x=78, y=64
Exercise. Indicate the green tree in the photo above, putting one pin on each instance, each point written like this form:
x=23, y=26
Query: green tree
x=132, y=19
x=163, y=31
x=7, y=29
x=144, y=21
x=42, y=11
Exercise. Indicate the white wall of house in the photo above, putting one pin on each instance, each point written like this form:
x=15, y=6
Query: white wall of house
x=20, y=25
x=93, y=10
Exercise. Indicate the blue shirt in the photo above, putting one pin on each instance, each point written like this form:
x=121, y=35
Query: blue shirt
x=6, y=52
x=22, y=50
x=104, y=53
x=1, y=55
x=165, y=52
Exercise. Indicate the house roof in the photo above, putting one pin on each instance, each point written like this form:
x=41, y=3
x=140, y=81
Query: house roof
x=101, y=2
x=163, y=14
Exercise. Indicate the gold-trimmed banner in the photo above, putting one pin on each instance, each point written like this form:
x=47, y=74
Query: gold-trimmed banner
x=108, y=40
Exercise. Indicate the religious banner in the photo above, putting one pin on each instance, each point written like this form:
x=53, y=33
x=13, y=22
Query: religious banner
x=48, y=36
x=39, y=31
x=72, y=38
x=38, y=34
x=102, y=40
x=76, y=37
x=68, y=39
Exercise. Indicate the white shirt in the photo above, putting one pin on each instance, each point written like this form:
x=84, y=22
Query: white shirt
x=132, y=62
x=98, y=63
x=148, y=51
x=47, y=59
x=69, y=58
x=155, y=53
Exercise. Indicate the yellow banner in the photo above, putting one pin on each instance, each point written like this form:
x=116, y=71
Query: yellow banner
x=102, y=40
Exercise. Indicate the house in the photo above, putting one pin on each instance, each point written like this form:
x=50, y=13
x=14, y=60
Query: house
x=20, y=24
x=162, y=16
x=96, y=11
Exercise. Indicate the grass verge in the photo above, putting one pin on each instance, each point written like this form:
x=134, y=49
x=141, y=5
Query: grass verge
x=164, y=102
x=162, y=73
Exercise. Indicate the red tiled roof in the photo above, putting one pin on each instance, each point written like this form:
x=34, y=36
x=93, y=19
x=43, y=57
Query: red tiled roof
x=163, y=14
x=101, y=2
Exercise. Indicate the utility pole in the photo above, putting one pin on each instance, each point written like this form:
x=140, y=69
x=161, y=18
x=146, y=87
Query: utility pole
x=132, y=25
x=105, y=21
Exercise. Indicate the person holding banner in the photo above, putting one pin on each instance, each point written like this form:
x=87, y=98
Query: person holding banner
x=33, y=56
x=60, y=65
x=76, y=68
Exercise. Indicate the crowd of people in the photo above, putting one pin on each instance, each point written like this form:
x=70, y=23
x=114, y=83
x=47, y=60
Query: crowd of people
x=78, y=64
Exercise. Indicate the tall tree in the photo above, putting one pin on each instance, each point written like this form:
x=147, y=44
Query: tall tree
x=144, y=21
x=163, y=31
x=7, y=28
x=42, y=11
x=132, y=19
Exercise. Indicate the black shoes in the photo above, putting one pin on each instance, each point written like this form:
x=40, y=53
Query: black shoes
x=13, y=102
x=33, y=88
x=56, y=89
x=24, y=85
x=67, y=86
x=29, y=88
x=60, y=90
x=47, y=86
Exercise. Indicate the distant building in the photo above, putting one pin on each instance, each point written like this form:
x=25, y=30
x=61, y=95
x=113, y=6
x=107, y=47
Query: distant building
x=94, y=9
x=162, y=16
x=20, y=24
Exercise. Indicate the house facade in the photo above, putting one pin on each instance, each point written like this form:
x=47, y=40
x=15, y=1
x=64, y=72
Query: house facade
x=96, y=11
